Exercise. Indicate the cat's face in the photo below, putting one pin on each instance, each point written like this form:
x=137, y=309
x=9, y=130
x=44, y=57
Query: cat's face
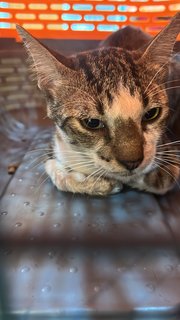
x=108, y=104
x=104, y=110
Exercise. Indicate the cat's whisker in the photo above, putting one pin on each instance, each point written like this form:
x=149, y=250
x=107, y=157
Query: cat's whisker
x=71, y=156
x=41, y=176
x=94, y=173
x=161, y=166
x=78, y=166
x=172, y=156
x=173, y=151
x=154, y=77
x=169, y=88
x=159, y=70
x=38, y=188
x=163, y=84
x=171, y=161
x=40, y=158
x=39, y=150
x=42, y=162
x=70, y=163
x=73, y=152
x=166, y=161
x=169, y=81
x=99, y=177
x=166, y=166
x=169, y=143
x=164, y=149
x=76, y=159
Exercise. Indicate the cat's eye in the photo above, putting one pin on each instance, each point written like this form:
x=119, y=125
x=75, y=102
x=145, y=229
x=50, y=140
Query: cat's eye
x=152, y=114
x=93, y=124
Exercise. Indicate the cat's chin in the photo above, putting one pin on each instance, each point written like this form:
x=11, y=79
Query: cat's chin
x=131, y=175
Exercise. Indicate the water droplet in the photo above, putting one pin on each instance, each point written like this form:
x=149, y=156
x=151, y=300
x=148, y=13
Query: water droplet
x=20, y=179
x=25, y=269
x=4, y=213
x=26, y=203
x=42, y=213
x=13, y=194
x=149, y=213
x=46, y=289
x=73, y=269
x=56, y=225
x=6, y=252
x=60, y=204
x=44, y=195
x=170, y=267
x=51, y=254
x=26, y=168
x=96, y=288
x=120, y=269
x=151, y=287
x=37, y=173
x=18, y=224
x=76, y=214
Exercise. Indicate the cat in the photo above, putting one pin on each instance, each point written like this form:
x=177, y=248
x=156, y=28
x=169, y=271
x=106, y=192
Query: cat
x=111, y=111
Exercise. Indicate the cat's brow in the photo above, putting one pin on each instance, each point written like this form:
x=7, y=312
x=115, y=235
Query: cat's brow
x=126, y=106
x=136, y=83
x=100, y=108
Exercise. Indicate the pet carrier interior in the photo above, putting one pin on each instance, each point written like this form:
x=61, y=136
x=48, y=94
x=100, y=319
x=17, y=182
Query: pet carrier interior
x=68, y=256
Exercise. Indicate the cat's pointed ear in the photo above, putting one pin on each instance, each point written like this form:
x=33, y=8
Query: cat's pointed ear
x=160, y=49
x=45, y=66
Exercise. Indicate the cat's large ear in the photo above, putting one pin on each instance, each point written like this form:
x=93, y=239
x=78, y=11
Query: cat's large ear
x=160, y=49
x=47, y=69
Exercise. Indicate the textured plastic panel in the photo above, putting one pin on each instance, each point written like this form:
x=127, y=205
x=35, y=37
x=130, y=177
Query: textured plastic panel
x=76, y=256
x=87, y=19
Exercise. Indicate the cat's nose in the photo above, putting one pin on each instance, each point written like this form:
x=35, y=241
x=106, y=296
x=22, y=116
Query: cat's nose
x=131, y=165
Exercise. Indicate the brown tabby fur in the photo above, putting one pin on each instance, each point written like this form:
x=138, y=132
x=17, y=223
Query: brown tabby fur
x=118, y=87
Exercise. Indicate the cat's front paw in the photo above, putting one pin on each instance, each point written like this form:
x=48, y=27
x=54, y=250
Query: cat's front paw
x=158, y=181
x=60, y=176
x=77, y=182
x=161, y=180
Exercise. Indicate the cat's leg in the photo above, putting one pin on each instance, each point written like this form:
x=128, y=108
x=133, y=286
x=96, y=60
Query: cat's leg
x=77, y=182
x=159, y=180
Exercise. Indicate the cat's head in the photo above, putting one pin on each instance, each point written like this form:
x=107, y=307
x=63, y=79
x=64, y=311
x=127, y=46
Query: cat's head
x=108, y=103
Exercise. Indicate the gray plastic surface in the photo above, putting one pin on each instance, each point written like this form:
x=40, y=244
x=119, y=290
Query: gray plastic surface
x=81, y=257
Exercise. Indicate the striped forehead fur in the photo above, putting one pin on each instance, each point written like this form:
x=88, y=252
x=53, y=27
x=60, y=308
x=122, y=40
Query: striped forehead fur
x=105, y=69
